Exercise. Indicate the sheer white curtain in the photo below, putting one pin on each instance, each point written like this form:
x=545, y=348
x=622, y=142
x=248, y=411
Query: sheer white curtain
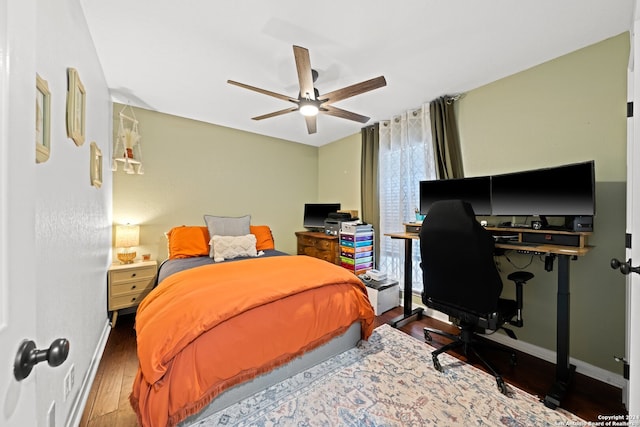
x=406, y=158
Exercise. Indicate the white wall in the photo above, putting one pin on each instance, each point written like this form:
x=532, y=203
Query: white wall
x=73, y=218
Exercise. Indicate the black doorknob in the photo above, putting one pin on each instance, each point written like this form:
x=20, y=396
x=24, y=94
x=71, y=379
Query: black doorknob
x=28, y=356
x=625, y=267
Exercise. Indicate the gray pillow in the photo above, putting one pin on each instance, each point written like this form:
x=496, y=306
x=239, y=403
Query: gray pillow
x=228, y=226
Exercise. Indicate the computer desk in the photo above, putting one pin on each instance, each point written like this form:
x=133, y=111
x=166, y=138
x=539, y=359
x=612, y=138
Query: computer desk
x=564, y=369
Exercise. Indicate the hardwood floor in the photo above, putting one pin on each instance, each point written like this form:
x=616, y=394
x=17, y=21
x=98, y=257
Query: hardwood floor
x=108, y=402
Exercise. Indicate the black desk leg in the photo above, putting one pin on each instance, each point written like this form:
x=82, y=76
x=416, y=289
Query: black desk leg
x=408, y=315
x=564, y=370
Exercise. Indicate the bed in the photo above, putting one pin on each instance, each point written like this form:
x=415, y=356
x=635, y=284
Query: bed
x=212, y=333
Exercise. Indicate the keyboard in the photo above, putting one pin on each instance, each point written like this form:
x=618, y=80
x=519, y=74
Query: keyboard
x=527, y=244
x=506, y=239
x=515, y=242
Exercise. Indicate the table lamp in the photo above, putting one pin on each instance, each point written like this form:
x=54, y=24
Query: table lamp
x=127, y=236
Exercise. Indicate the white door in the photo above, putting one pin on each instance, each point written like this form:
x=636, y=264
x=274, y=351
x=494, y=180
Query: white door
x=17, y=207
x=633, y=228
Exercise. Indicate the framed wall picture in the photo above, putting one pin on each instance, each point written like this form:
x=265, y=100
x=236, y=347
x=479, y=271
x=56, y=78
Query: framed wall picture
x=96, y=165
x=43, y=120
x=76, y=103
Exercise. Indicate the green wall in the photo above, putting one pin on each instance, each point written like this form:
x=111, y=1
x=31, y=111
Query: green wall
x=339, y=172
x=194, y=168
x=567, y=110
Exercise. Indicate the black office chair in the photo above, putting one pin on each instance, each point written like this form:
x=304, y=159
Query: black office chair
x=461, y=280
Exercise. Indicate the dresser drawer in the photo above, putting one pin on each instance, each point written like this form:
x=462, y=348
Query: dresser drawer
x=146, y=273
x=322, y=244
x=326, y=255
x=316, y=253
x=318, y=245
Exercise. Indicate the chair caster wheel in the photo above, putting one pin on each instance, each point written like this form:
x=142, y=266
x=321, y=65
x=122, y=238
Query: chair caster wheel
x=427, y=336
x=436, y=364
x=502, y=386
x=550, y=403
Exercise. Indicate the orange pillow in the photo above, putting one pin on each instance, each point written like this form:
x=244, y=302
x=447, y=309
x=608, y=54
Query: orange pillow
x=264, y=238
x=188, y=241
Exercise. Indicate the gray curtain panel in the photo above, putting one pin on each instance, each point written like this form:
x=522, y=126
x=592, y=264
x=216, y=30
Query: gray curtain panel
x=370, y=209
x=446, y=142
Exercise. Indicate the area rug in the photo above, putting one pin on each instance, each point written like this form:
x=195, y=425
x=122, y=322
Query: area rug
x=390, y=381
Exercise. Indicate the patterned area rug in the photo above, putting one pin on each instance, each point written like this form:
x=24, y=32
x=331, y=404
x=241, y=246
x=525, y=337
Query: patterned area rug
x=390, y=381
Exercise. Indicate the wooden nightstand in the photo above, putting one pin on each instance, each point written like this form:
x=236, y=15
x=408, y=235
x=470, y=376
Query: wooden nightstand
x=319, y=245
x=128, y=284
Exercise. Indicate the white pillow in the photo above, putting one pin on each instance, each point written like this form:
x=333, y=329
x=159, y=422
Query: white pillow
x=228, y=247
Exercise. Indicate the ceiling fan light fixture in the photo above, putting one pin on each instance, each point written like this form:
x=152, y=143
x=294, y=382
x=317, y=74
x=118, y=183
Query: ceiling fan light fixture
x=309, y=102
x=308, y=108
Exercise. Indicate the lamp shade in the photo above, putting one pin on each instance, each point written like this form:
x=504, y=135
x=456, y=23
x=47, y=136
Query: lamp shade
x=127, y=236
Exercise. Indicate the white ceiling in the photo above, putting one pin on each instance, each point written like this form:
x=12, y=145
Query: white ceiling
x=176, y=56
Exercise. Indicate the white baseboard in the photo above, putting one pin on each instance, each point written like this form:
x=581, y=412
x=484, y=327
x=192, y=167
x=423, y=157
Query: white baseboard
x=75, y=415
x=584, y=368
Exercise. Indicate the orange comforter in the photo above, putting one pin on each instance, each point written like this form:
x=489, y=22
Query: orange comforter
x=204, y=330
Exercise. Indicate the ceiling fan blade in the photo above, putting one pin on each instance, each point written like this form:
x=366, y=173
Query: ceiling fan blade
x=305, y=76
x=263, y=91
x=344, y=114
x=311, y=123
x=276, y=113
x=356, y=89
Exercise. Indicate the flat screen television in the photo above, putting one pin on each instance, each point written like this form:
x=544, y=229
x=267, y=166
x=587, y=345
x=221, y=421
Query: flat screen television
x=567, y=190
x=316, y=213
x=476, y=191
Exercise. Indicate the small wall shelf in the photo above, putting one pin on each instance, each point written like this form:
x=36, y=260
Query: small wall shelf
x=127, y=149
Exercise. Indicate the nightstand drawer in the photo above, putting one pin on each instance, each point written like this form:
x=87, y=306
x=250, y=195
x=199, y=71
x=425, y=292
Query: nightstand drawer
x=131, y=286
x=146, y=273
x=128, y=284
x=124, y=301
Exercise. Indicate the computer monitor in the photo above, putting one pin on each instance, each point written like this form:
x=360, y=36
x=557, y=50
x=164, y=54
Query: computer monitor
x=476, y=191
x=567, y=190
x=316, y=213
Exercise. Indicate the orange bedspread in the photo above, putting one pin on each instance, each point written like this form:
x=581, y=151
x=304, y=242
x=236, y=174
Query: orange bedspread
x=204, y=330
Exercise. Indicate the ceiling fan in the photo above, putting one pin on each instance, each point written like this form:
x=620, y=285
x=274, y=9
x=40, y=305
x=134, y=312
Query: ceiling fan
x=309, y=101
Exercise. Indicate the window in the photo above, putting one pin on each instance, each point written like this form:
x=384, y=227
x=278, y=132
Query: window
x=406, y=158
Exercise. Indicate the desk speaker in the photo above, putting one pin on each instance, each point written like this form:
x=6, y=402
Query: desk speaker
x=552, y=239
x=581, y=223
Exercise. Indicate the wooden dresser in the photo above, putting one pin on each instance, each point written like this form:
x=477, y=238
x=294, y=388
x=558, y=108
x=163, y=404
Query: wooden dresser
x=319, y=245
x=128, y=284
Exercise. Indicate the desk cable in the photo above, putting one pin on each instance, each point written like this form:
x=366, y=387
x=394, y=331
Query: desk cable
x=516, y=266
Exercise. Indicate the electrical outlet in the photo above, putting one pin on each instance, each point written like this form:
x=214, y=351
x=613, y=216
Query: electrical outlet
x=69, y=381
x=51, y=415
x=65, y=388
x=72, y=377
